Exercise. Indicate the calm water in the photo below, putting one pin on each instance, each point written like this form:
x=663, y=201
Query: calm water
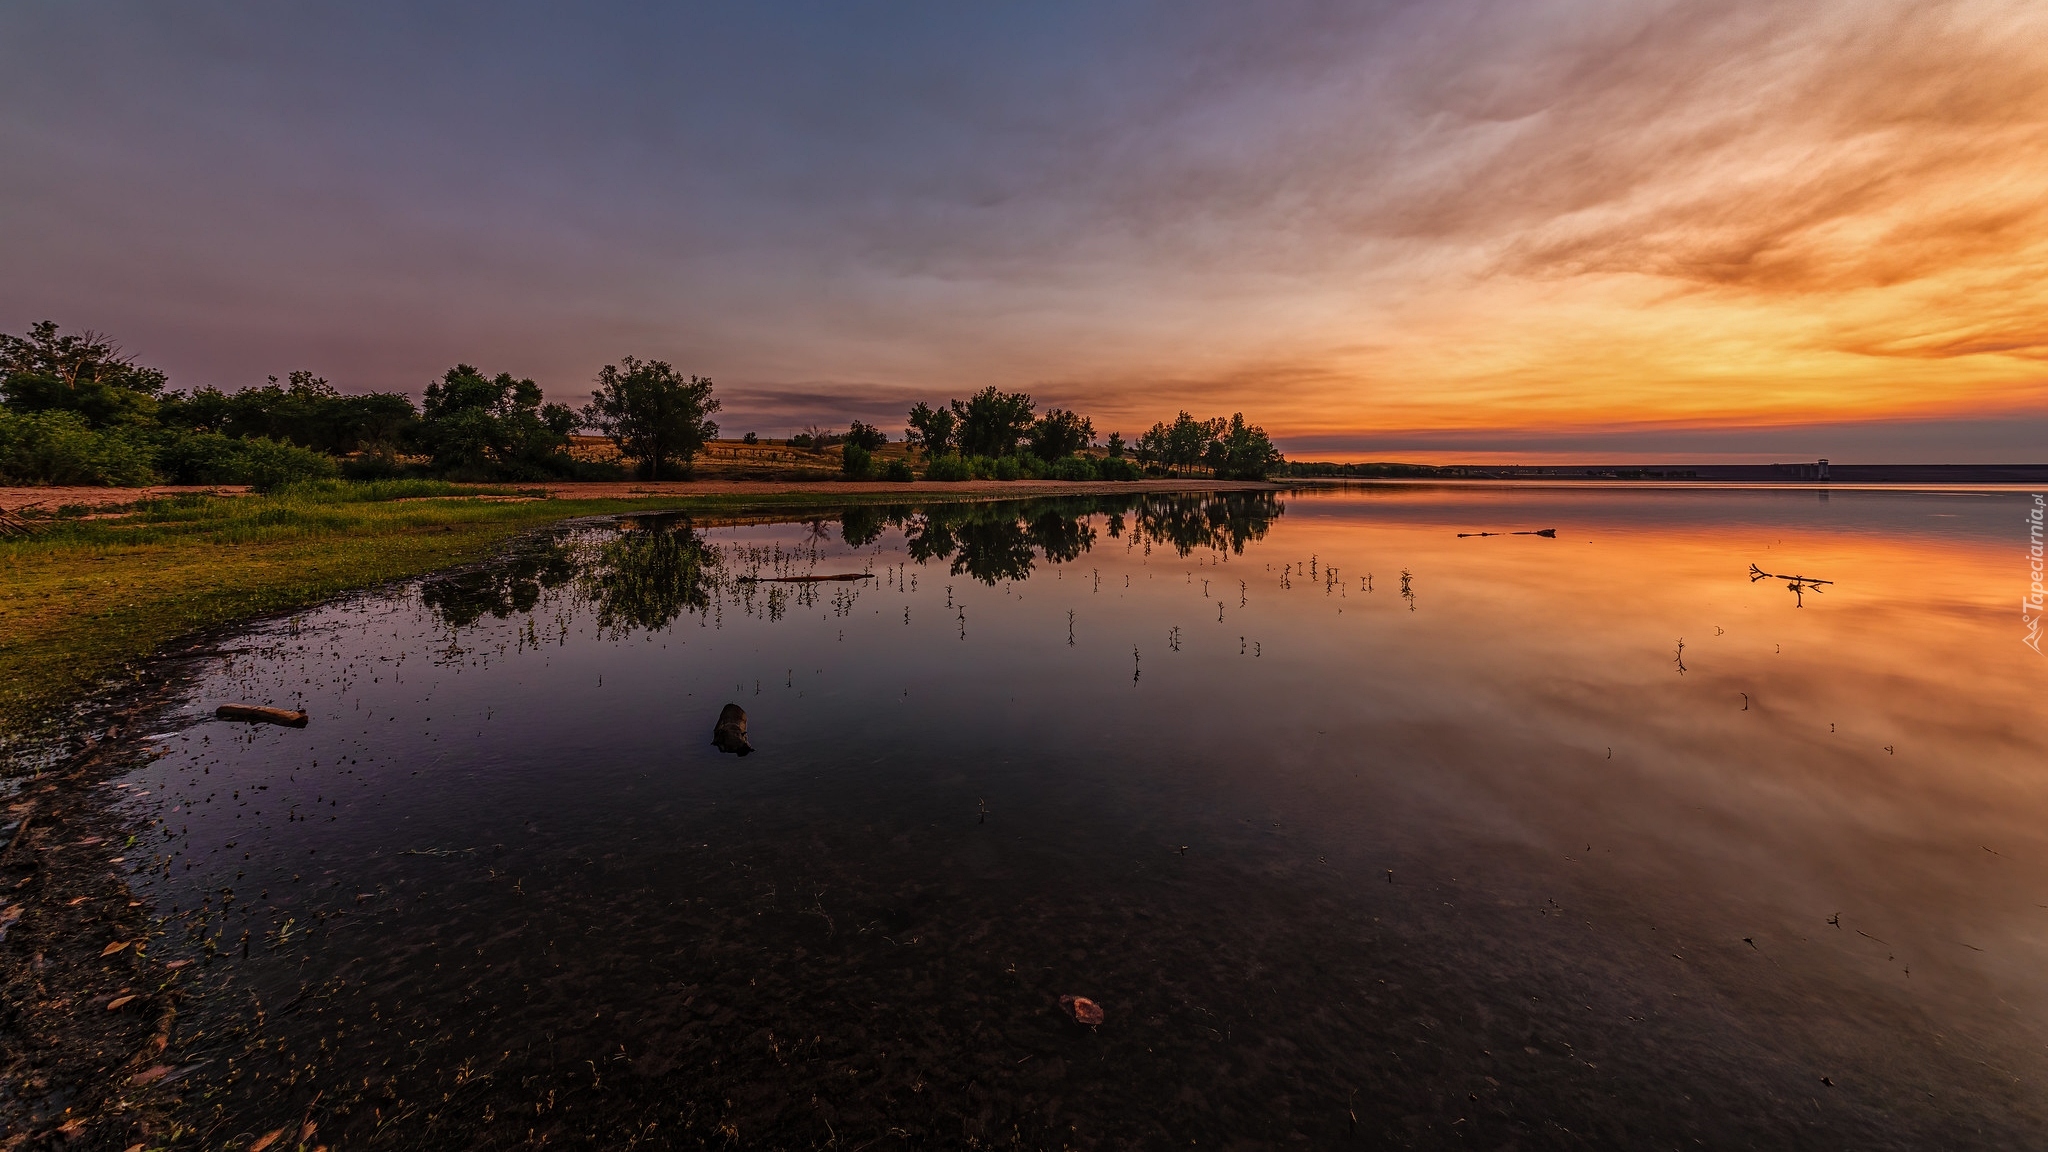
x=1359, y=831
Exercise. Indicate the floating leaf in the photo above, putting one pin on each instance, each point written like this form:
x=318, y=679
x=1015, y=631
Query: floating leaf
x=266, y=1140
x=177, y=964
x=150, y=1075
x=115, y=1004
x=1082, y=1009
x=116, y=946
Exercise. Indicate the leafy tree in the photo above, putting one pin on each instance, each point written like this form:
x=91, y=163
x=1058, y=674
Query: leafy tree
x=991, y=422
x=932, y=429
x=307, y=411
x=85, y=373
x=856, y=461
x=866, y=437
x=1116, y=445
x=1060, y=433
x=1243, y=452
x=479, y=423
x=1182, y=445
x=652, y=413
x=751, y=438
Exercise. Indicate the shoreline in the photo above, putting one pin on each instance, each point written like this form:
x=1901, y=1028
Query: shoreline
x=91, y=1024
x=104, y=499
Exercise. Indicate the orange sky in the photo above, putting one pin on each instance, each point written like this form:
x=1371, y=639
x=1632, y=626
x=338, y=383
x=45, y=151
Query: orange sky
x=1482, y=227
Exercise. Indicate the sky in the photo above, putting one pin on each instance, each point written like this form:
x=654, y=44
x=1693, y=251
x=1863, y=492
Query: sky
x=1476, y=229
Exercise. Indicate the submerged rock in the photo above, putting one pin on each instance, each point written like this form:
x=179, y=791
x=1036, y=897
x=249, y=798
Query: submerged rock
x=730, y=734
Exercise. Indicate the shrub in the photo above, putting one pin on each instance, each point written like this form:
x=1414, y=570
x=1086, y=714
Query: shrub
x=1117, y=468
x=1008, y=468
x=211, y=458
x=856, y=461
x=899, y=471
x=1074, y=468
x=59, y=447
x=948, y=467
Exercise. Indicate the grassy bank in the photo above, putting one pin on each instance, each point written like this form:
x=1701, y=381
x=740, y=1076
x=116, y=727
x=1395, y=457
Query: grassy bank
x=84, y=601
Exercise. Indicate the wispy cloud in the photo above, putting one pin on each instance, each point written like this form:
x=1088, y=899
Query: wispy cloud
x=1450, y=215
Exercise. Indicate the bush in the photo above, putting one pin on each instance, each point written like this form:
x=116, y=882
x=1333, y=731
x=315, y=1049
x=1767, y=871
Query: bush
x=59, y=447
x=948, y=467
x=899, y=471
x=1074, y=468
x=1117, y=468
x=1008, y=468
x=856, y=461
x=211, y=458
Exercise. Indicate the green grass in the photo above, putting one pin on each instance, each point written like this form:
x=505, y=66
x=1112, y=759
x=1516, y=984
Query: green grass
x=83, y=602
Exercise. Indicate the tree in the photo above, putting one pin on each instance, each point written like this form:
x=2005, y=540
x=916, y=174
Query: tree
x=1116, y=445
x=652, y=413
x=87, y=373
x=931, y=429
x=866, y=437
x=1244, y=452
x=499, y=423
x=1060, y=433
x=816, y=437
x=308, y=411
x=992, y=422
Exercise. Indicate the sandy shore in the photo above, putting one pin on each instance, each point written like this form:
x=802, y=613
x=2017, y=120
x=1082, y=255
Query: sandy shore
x=51, y=499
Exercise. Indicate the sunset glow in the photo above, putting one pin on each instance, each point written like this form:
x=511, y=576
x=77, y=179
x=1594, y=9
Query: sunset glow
x=1404, y=230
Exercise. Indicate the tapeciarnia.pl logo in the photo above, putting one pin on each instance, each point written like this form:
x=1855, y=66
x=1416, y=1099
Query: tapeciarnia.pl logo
x=2036, y=601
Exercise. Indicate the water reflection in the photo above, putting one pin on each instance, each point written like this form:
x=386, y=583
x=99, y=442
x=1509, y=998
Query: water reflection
x=1361, y=832
x=648, y=571
x=649, y=574
x=502, y=587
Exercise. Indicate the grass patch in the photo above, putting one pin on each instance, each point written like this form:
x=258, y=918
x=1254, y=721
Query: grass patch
x=83, y=602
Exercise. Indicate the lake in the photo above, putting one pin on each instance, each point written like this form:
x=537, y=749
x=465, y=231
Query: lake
x=1359, y=829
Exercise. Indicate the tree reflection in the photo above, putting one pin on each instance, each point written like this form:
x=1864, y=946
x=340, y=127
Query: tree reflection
x=649, y=574
x=1220, y=522
x=500, y=588
x=1002, y=541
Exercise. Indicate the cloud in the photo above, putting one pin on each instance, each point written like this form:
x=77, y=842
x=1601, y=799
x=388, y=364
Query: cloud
x=1334, y=217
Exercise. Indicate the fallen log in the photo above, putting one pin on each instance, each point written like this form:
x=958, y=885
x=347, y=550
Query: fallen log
x=258, y=714
x=804, y=579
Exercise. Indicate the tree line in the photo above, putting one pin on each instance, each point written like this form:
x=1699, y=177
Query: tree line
x=999, y=434
x=76, y=409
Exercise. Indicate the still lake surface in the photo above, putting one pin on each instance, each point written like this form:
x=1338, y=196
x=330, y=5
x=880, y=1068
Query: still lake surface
x=1359, y=831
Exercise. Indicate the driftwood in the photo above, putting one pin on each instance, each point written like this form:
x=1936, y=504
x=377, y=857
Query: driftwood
x=257, y=714
x=730, y=734
x=804, y=579
x=1799, y=586
x=14, y=524
x=1550, y=532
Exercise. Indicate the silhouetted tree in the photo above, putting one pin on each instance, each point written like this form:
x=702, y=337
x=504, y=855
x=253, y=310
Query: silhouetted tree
x=652, y=413
x=991, y=422
x=85, y=373
x=932, y=429
x=1060, y=433
x=866, y=436
x=479, y=423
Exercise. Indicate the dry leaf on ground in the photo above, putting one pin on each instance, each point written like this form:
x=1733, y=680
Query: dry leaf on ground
x=1082, y=1009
